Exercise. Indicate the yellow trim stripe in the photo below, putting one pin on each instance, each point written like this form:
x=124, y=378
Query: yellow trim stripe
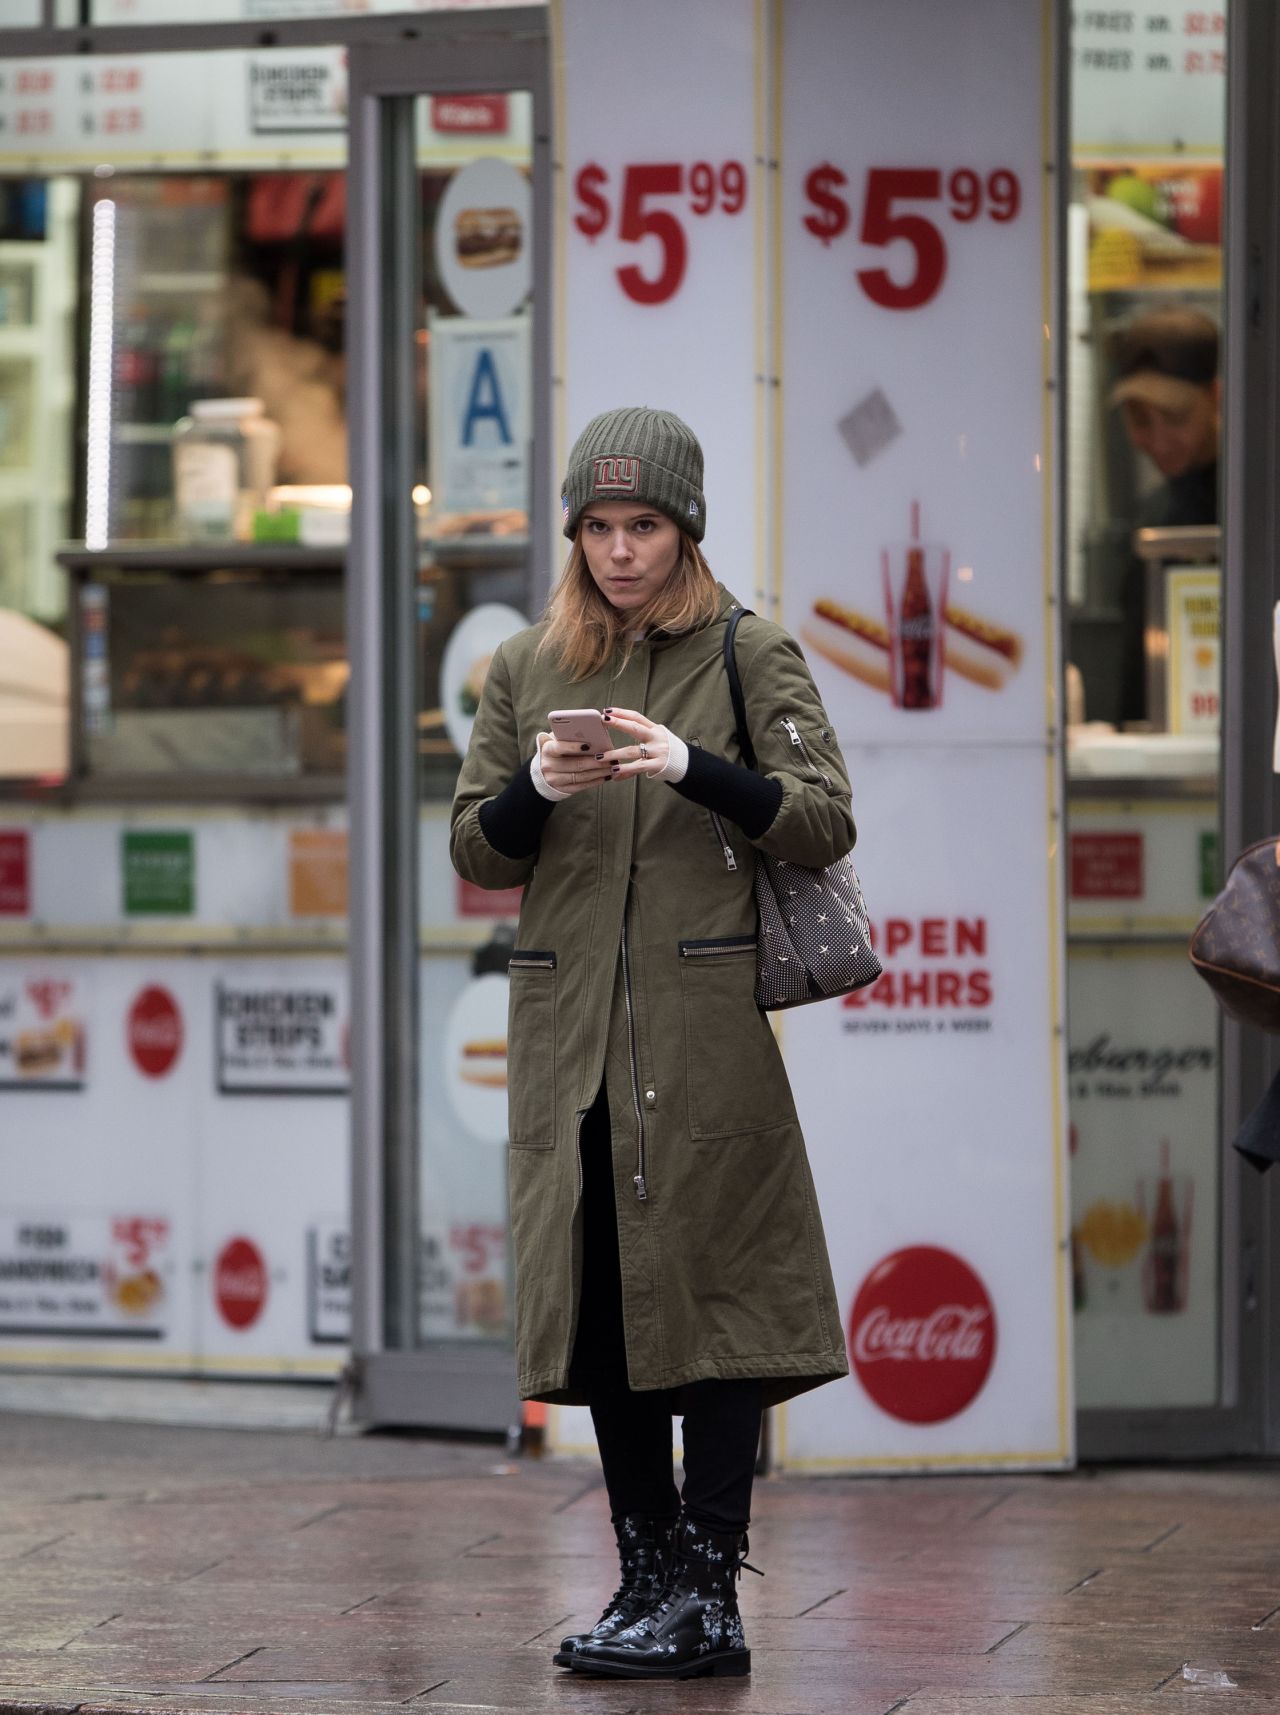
x=924, y=1463
x=559, y=307
x=187, y=1363
x=777, y=313
x=1132, y=925
x=1055, y=806
x=764, y=183
x=1145, y=806
x=1128, y=950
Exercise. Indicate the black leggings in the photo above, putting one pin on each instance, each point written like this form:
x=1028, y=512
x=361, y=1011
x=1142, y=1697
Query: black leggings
x=633, y=1429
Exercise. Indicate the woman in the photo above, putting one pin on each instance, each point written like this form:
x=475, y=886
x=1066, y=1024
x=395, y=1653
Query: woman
x=669, y=1253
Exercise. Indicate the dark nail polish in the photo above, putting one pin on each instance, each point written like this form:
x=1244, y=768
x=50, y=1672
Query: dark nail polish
x=584, y=747
x=599, y=756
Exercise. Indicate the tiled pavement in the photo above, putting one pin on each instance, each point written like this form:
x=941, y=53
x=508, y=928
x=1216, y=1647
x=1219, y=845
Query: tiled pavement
x=277, y=1573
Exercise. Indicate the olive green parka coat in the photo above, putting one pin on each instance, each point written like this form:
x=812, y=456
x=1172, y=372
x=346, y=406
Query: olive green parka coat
x=635, y=962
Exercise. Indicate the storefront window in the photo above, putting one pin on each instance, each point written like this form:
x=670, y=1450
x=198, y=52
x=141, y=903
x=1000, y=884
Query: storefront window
x=172, y=393
x=1143, y=696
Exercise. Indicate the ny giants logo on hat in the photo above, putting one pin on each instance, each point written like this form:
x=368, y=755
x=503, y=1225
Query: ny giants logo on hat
x=620, y=474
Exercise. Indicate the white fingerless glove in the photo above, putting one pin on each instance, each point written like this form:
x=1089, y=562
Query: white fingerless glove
x=677, y=764
x=540, y=781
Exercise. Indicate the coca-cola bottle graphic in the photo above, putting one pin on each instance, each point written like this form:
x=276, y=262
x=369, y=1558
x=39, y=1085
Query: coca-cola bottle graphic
x=1166, y=1266
x=916, y=621
x=914, y=611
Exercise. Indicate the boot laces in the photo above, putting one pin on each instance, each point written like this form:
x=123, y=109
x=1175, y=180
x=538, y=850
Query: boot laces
x=664, y=1597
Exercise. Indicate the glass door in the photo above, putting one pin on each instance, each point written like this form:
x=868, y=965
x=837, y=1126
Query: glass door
x=1165, y=1325
x=448, y=351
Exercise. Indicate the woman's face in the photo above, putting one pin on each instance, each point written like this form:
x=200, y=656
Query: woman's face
x=631, y=551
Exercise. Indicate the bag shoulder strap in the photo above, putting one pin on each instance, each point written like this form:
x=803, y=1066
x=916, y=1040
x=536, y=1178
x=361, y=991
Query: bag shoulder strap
x=735, y=686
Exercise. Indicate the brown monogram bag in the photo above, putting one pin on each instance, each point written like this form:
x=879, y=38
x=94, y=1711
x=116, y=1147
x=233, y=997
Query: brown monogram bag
x=1236, y=948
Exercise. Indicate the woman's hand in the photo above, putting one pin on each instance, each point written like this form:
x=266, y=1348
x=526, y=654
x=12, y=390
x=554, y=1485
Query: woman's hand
x=570, y=768
x=658, y=754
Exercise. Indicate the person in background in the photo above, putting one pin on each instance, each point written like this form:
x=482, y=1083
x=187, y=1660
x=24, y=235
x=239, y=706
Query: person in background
x=1169, y=396
x=668, y=1249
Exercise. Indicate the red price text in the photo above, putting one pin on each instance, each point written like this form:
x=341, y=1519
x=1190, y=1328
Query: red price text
x=654, y=198
x=899, y=204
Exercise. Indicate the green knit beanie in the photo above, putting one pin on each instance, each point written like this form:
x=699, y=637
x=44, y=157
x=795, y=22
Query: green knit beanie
x=637, y=454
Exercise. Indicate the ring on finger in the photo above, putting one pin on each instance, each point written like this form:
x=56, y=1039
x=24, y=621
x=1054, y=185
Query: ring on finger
x=644, y=753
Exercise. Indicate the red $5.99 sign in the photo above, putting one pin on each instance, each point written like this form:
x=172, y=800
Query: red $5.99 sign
x=887, y=216
x=646, y=209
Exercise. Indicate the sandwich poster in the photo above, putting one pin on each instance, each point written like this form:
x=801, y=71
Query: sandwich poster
x=86, y=1275
x=42, y=1031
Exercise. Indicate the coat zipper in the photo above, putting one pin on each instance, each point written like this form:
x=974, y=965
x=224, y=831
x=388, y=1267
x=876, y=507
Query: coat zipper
x=638, y=1178
x=717, y=949
x=730, y=862
x=793, y=733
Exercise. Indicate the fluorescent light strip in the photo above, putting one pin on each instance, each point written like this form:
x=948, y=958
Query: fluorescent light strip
x=102, y=294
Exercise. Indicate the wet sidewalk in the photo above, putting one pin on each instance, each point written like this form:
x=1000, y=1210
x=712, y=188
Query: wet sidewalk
x=273, y=1572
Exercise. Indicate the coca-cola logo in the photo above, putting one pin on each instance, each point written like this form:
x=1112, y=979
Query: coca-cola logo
x=922, y=1334
x=240, y=1283
x=155, y=1031
x=919, y=630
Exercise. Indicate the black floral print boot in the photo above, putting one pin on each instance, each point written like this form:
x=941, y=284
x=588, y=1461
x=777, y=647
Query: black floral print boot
x=644, y=1548
x=692, y=1627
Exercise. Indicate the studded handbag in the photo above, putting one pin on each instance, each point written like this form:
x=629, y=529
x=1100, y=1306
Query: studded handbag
x=814, y=938
x=1236, y=948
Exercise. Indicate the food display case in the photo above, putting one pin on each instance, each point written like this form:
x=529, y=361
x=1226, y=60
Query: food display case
x=222, y=670
x=210, y=667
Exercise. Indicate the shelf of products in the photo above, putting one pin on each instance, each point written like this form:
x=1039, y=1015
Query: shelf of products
x=221, y=670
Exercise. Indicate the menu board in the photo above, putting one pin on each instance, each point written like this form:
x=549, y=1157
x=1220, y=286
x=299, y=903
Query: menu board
x=234, y=107
x=1148, y=76
x=1193, y=616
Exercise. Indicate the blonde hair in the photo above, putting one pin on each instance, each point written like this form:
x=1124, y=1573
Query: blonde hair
x=585, y=629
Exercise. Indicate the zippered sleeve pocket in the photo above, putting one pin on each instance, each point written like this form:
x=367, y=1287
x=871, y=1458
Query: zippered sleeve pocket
x=803, y=759
x=531, y=1050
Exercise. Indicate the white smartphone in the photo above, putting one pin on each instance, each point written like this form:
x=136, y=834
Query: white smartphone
x=581, y=726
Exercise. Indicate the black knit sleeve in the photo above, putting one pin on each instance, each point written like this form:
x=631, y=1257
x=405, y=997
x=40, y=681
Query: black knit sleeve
x=513, y=821
x=751, y=800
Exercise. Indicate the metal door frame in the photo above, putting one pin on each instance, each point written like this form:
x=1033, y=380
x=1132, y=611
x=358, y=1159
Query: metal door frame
x=470, y=1385
x=1246, y=1420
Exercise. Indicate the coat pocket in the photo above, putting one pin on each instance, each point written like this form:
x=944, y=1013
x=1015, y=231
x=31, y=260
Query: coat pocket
x=735, y=1078
x=531, y=1050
